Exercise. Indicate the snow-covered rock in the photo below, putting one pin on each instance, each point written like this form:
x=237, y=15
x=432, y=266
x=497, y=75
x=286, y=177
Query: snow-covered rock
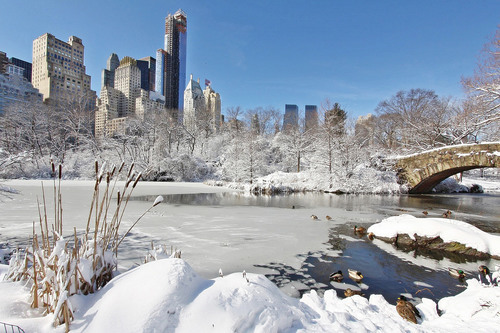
x=448, y=230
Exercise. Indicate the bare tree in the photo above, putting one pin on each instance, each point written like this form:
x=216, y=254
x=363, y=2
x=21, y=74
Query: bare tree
x=418, y=117
x=481, y=111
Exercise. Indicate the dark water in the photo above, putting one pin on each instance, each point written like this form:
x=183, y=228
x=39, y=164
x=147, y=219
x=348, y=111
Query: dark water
x=384, y=272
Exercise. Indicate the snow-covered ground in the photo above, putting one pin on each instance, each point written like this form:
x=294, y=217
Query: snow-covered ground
x=168, y=295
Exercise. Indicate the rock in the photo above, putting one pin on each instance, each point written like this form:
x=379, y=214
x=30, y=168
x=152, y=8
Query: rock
x=435, y=246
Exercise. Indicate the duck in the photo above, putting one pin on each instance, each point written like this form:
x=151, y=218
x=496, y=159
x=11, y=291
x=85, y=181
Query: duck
x=359, y=230
x=355, y=275
x=484, y=270
x=410, y=304
x=447, y=214
x=349, y=292
x=371, y=236
x=407, y=310
x=484, y=275
x=314, y=217
x=328, y=217
x=425, y=212
x=338, y=276
x=458, y=273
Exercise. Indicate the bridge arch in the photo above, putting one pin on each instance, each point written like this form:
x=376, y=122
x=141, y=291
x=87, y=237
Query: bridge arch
x=422, y=171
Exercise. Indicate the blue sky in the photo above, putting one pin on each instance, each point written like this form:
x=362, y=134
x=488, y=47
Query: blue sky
x=271, y=53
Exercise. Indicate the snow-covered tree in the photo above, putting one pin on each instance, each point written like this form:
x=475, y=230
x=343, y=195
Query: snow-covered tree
x=480, y=115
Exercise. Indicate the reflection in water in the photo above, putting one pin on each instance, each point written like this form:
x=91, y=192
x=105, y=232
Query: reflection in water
x=387, y=270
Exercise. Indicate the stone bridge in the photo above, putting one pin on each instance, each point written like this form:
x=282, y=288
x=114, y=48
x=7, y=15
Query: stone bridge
x=422, y=171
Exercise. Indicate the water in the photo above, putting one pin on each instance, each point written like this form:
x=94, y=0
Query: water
x=387, y=270
x=272, y=235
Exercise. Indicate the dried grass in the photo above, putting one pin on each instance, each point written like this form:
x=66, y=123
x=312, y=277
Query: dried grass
x=59, y=267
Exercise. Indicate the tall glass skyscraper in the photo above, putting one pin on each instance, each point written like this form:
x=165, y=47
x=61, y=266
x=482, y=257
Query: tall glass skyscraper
x=291, y=118
x=171, y=63
x=311, y=117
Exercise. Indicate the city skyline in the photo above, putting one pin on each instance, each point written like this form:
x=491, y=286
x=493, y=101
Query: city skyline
x=272, y=54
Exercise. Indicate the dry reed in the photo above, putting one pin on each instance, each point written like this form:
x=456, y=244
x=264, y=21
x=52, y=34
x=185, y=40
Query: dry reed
x=57, y=267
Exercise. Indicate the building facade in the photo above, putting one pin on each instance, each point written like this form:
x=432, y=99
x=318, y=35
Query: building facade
x=147, y=66
x=24, y=65
x=58, y=69
x=291, y=117
x=194, y=105
x=202, y=108
x=128, y=82
x=171, y=63
x=213, y=107
x=14, y=88
x=4, y=61
x=311, y=117
x=123, y=98
x=108, y=74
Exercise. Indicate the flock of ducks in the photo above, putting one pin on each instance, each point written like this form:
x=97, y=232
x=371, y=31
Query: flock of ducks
x=405, y=308
x=445, y=215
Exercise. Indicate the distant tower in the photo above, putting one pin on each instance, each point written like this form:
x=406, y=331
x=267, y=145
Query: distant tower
x=311, y=117
x=108, y=74
x=291, y=118
x=59, y=70
x=213, y=107
x=194, y=105
x=25, y=65
x=128, y=81
x=171, y=63
x=147, y=66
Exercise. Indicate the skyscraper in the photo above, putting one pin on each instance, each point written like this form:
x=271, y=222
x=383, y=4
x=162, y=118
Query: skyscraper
x=311, y=117
x=194, y=100
x=23, y=64
x=108, y=74
x=171, y=63
x=147, y=65
x=59, y=70
x=123, y=98
x=291, y=118
x=213, y=107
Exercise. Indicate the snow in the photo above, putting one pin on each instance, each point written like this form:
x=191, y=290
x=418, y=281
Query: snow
x=449, y=230
x=168, y=295
x=445, y=148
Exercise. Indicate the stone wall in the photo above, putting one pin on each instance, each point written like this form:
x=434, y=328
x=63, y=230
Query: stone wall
x=421, y=172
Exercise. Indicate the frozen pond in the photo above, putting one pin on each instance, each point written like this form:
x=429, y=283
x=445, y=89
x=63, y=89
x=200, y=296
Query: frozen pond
x=219, y=228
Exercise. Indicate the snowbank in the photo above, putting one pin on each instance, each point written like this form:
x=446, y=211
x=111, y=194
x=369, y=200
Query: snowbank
x=167, y=296
x=448, y=229
x=363, y=180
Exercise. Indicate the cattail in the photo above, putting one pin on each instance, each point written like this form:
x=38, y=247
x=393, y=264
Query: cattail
x=53, y=167
x=113, y=171
x=137, y=179
x=96, y=168
x=159, y=199
x=121, y=167
x=60, y=171
x=130, y=169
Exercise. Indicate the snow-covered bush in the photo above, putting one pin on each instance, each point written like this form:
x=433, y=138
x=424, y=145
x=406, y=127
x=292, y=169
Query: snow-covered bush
x=57, y=266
